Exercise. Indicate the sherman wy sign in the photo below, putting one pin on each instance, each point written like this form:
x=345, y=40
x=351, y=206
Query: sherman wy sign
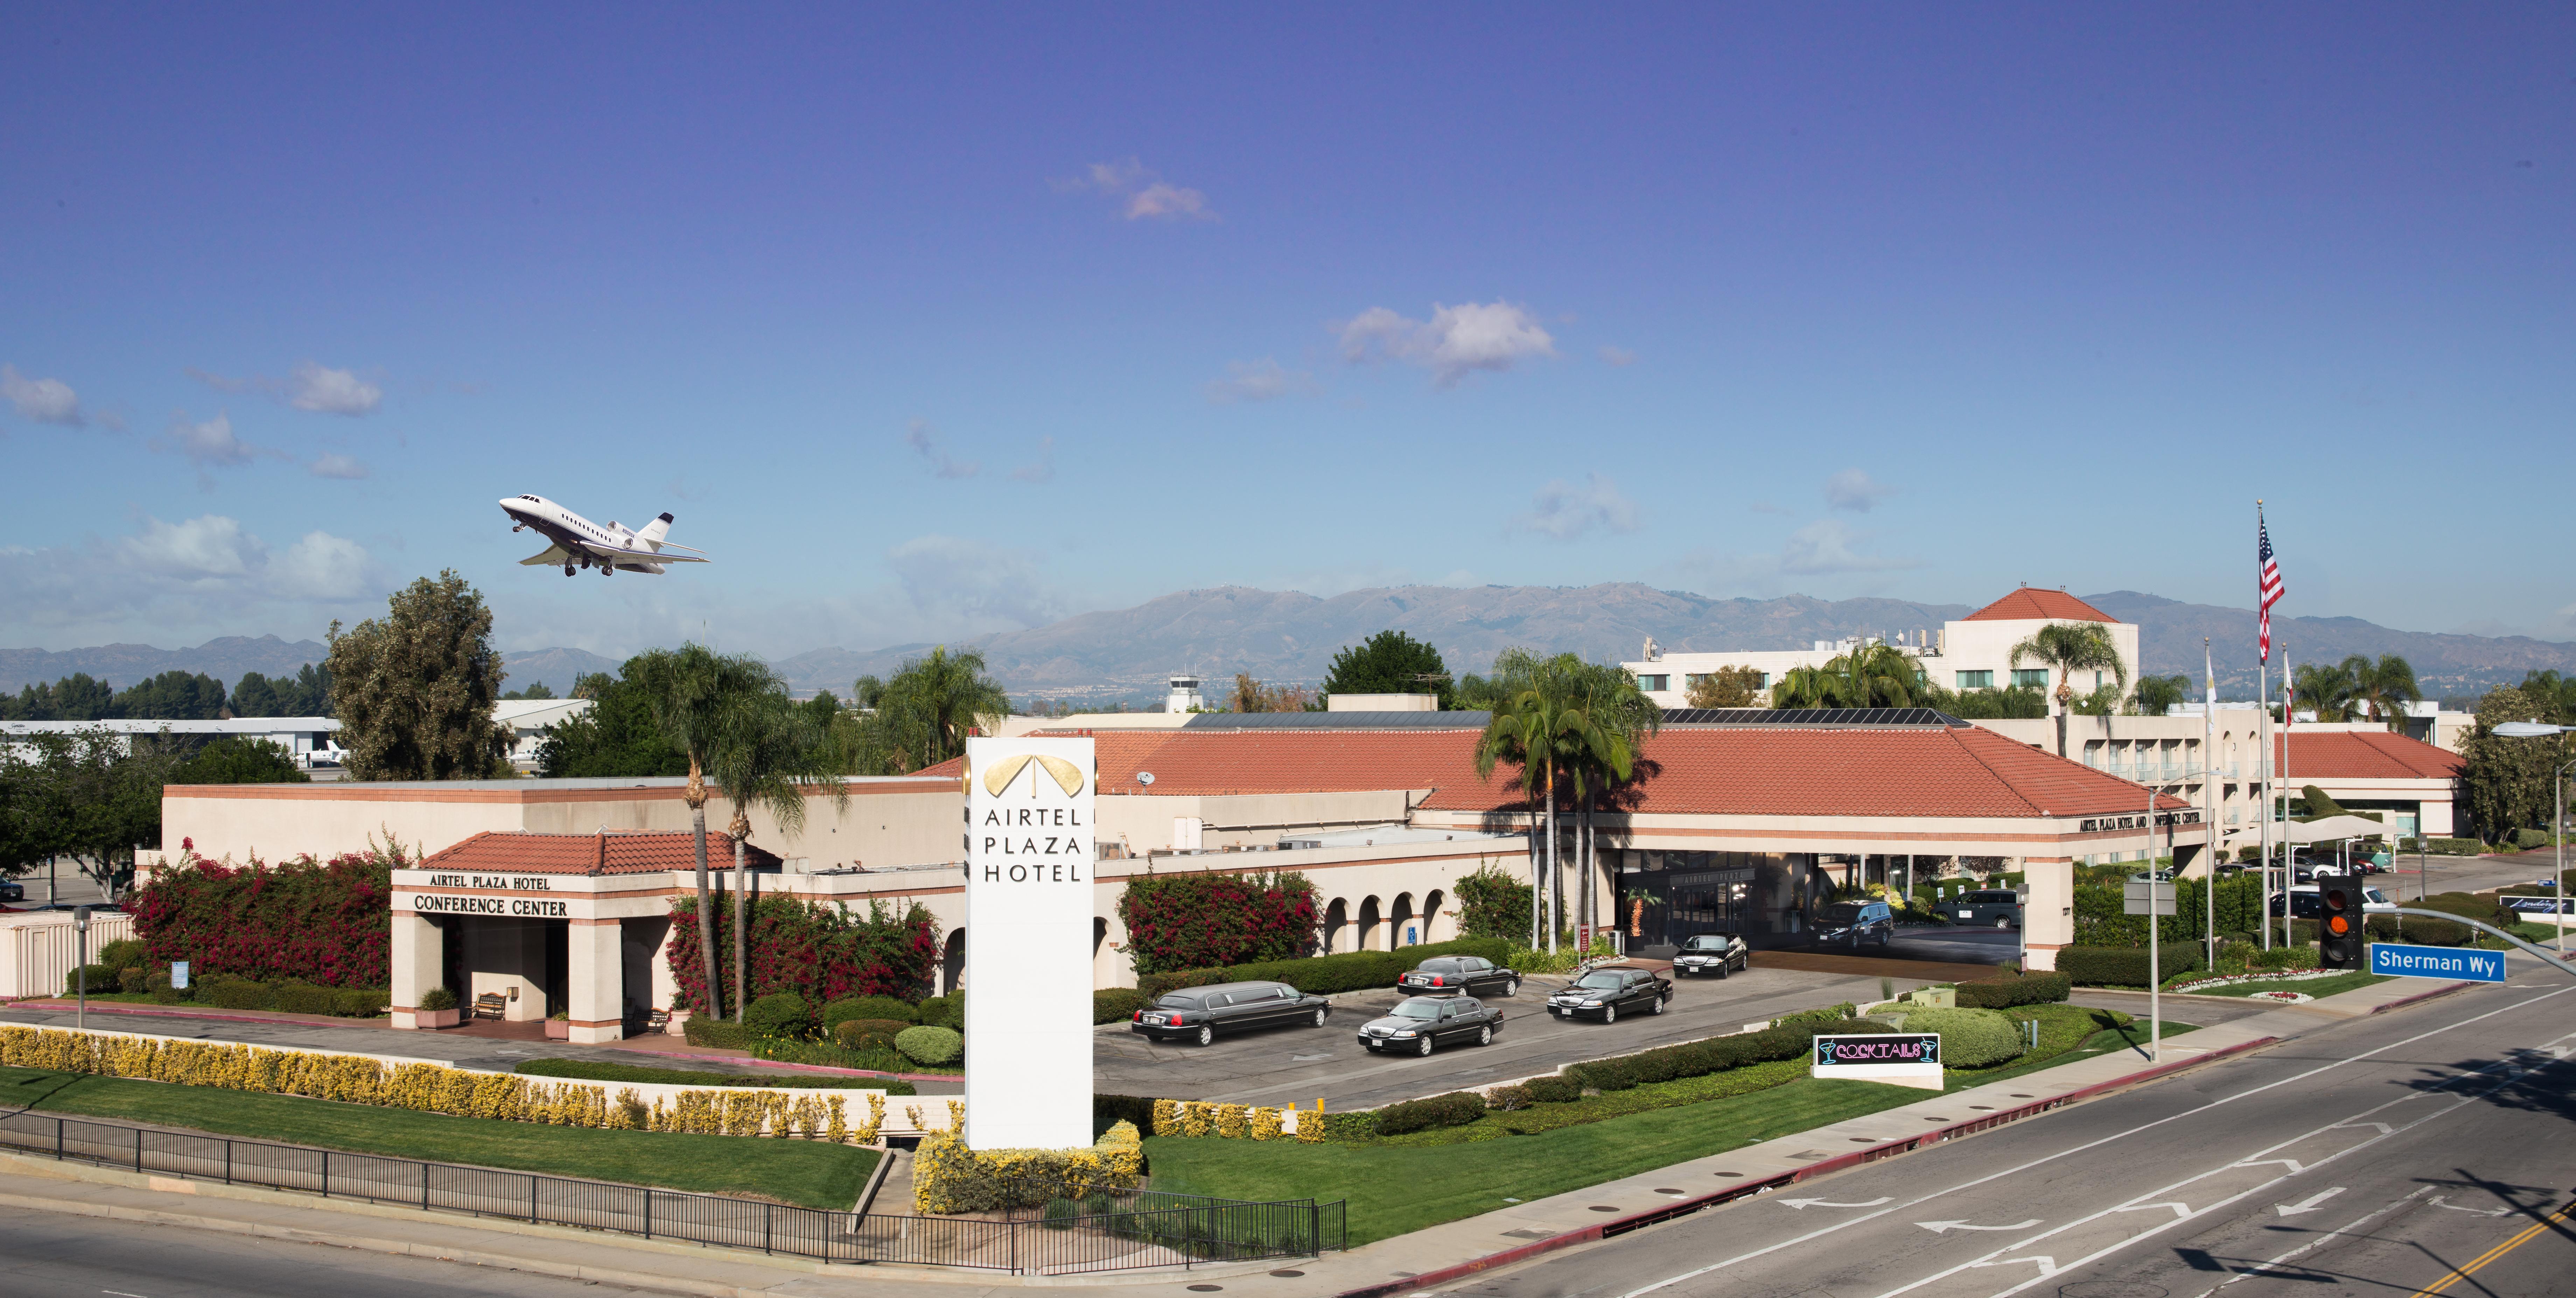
x=1029, y=861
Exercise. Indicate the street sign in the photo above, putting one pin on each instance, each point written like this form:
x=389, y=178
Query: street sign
x=2456, y=963
x=2141, y=894
x=1899, y=1059
x=2522, y=904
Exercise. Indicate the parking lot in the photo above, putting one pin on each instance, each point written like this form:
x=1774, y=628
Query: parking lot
x=1299, y=1064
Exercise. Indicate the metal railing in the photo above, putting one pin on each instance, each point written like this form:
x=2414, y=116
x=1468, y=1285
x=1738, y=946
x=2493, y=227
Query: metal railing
x=1105, y=1232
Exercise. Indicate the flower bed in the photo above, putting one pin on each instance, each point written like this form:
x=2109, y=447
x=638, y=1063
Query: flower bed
x=2231, y=980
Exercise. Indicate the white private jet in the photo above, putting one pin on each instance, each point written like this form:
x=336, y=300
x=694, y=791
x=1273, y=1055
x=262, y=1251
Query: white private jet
x=581, y=543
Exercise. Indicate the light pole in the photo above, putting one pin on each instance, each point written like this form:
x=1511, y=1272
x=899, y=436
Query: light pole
x=2557, y=826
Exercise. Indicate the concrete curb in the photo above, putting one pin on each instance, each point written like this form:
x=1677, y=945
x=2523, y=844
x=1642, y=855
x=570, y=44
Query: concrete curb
x=2421, y=997
x=1682, y=1208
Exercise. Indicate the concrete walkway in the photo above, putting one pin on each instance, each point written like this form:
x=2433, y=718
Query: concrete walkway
x=1426, y=1258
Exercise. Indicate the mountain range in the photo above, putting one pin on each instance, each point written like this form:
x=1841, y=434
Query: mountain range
x=1125, y=654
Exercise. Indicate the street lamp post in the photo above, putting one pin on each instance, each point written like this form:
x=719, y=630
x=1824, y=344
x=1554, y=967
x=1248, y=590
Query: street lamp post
x=2557, y=826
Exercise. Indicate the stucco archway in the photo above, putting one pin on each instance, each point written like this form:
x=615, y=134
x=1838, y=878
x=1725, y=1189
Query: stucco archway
x=1372, y=927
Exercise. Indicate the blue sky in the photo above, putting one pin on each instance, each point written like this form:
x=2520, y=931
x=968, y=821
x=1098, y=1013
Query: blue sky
x=932, y=321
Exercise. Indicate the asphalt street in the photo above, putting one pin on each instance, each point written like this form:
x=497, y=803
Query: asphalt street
x=2469, y=873
x=2372, y=1157
x=1301, y=1064
x=58, y=1255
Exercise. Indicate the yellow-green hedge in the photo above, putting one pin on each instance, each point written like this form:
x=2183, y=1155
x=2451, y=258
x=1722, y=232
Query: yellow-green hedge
x=947, y=1177
x=431, y=1088
x=1234, y=1121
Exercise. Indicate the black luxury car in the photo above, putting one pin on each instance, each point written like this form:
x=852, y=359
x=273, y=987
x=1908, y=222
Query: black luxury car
x=1855, y=922
x=1466, y=974
x=1608, y=993
x=1985, y=907
x=1708, y=954
x=1200, y=1014
x=1421, y=1023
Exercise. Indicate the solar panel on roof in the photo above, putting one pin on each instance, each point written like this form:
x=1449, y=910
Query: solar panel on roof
x=1871, y=717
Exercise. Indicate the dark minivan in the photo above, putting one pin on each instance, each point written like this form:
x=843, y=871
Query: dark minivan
x=1199, y=1014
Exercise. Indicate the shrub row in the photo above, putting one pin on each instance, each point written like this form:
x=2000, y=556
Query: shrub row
x=1116, y=1004
x=893, y=1008
x=1327, y=974
x=590, y=1070
x=223, y=992
x=2020, y=989
x=869, y=1034
x=947, y=1177
x=1231, y=1121
x=2417, y=929
x=833, y=1055
x=326, y=922
x=2120, y=966
x=1970, y=1038
x=1109, y=1110
x=1716, y=1054
x=1456, y=1109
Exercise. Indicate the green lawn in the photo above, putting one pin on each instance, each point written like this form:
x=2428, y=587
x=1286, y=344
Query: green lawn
x=808, y=1174
x=1394, y=1189
x=2129, y=1036
x=2310, y=986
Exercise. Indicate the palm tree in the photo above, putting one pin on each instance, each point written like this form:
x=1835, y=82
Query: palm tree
x=1878, y=676
x=2327, y=691
x=2384, y=688
x=1808, y=687
x=770, y=752
x=695, y=695
x=1616, y=718
x=1530, y=730
x=2068, y=648
x=926, y=710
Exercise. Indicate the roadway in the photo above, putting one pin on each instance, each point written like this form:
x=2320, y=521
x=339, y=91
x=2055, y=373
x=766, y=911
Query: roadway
x=2369, y=1157
x=58, y=1255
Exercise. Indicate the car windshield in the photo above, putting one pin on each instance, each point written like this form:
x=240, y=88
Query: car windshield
x=2376, y=898
x=1439, y=966
x=1418, y=1009
x=1847, y=913
x=1599, y=978
x=1705, y=943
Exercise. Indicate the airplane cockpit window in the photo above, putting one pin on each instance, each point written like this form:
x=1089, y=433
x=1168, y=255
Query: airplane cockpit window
x=527, y=498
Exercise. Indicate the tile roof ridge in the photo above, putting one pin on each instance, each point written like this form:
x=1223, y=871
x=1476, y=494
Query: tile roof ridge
x=1954, y=735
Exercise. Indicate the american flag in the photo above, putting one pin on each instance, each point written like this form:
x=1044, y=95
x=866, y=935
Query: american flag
x=2270, y=581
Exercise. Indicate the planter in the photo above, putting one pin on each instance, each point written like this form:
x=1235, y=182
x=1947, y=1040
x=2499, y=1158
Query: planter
x=447, y=1018
x=558, y=1030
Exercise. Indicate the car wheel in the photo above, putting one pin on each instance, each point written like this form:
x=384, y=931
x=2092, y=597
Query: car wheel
x=1609, y=1014
x=1722, y=967
x=1885, y=936
x=1855, y=941
x=1512, y=987
x=1422, y=1046
x=1656, y=1006
x=2003, y=921
x=1206, y=1036
x=1320, y=1012
x=1485, y=1035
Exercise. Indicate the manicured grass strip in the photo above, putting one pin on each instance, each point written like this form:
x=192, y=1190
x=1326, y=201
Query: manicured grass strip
x=808, y=1174
x=1396, y=1189
x=2308, y=986
x=592, y=1070
x=2103, y=1042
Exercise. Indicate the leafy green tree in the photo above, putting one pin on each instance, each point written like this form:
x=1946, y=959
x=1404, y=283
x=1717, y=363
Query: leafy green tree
x=540, y=690
x=254, y=695
x=235, y=760
x=1491, y=903
x=172, y=696
x=305, y=694
x=76, y=697
x=2157, y=695
x=1874, y=676
x=415, y=690
x=923, y=712
x=698, y=699
x=2067, y=648
x=2556, y=694
x=617, y=736
x=87, y=795
x=2384, y=688
x=2504, y=783
x=1390, y=662
x=1727, y=687
x=2019, y=702
x=768, y=753
x=1560, y=717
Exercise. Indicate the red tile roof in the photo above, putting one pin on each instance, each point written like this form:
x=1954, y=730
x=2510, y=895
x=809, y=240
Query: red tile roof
x=2359, y=755
x=1721, y=770
x=2032, y=604
x=629, y=852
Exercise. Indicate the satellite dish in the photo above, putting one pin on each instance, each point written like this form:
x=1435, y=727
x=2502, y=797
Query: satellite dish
x=1144, y=777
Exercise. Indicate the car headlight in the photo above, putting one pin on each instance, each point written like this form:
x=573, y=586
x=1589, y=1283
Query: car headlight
x=1405, y=1033
x=1591, y=1003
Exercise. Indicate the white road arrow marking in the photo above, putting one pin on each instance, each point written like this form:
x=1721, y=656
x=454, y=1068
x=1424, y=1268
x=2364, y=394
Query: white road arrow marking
x=2436, y=1202
x=1822, y=1203
x=2309, y=1204
x=2293, y=1164
x=2047, y=1264
x=2179, y=1209
x=1945, y=1227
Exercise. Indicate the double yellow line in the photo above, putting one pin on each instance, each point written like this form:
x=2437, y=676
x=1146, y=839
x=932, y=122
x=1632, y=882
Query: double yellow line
x=2470, y=1267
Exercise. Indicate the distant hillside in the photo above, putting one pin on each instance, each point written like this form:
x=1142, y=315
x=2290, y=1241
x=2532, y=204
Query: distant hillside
x=557, y=668
x=2169, y=635
x=227, y=659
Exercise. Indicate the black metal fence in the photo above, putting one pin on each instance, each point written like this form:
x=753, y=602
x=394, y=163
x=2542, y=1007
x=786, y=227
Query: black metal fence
x=1104, y=1232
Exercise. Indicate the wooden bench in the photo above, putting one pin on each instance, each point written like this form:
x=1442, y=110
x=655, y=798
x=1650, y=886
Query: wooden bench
x=491, y=1005
x=659, y=1021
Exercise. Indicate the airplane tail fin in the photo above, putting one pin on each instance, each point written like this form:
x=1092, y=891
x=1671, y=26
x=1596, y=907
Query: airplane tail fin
x=651, y=537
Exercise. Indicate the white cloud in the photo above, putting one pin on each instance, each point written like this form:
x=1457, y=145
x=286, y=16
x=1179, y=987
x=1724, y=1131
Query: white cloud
x=1563, y=511
x=1617, y=355
x=47, y=401
x=1262, y=380
x=1856, y=491
x=208, y=445
x=924, y=441
x=973, y=580
x=332, y=464
x=332, y=392
x=1455, y=342
x=321, y=567
x=1145, y=195
x=1043, y=469
x=207, y=546
x=182, y=581
x=1825, y=546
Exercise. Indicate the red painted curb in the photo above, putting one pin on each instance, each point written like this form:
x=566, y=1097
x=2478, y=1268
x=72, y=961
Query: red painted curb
x=1685, y=1207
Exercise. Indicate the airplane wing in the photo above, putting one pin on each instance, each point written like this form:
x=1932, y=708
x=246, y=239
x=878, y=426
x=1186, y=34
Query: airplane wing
x=648, y=556
x=553, y=557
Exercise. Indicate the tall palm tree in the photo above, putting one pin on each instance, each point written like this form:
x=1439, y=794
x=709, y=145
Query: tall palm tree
x=1808, y=687
x=1617, y=717
x=1878, y=676
x=769, y=754
x=695, y=695
x=2383, y=688
x=2068, y=648
x=931, y=703
x=1530, y=730
x=2326, y=690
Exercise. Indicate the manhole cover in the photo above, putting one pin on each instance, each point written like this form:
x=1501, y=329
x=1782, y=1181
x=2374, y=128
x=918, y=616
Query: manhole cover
x=1603, y=1207
x=1730, y=1174
x=1291, y=1275
x=1523, y=1233
x=2019, y=1096
x=1983, y=1108
x=2112, y=1289
x=1207, y=1288
x=1666, y=1189
x=1864, y=1140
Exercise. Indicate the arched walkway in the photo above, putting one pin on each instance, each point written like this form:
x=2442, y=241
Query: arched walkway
x=952, y=966
x=1372, y=923
x=1403, y=927
x=1434, y=929
x=1337, y=917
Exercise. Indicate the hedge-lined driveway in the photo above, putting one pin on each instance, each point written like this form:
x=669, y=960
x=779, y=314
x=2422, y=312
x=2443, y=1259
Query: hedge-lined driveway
x=1282, y=1065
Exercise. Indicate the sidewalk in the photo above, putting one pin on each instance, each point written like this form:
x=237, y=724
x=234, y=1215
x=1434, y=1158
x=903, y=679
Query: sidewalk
x=1423, y=1259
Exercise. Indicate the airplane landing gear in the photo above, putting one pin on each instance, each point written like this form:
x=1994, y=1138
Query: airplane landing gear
x=567, y=570
x=608, y=570
x=519, y=527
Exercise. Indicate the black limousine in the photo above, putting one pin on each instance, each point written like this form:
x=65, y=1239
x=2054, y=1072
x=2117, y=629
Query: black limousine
x=1200, y=1015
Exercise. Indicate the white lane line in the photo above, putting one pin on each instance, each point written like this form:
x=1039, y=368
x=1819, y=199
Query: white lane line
x=1945, y=1227
x=2309, y=1204
x=1741, y=1258
x=2338, y=1232
x=1821, y=1203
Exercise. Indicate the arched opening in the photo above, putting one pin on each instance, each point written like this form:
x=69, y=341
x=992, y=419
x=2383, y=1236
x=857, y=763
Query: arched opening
x=1337, y=917
x=1372, y=924
x=1099, y=935
x=952, y=966
x=1433, y=928
x=1402, y=928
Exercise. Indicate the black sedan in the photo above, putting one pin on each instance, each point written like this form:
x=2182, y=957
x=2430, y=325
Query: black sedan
x=1466, y=974
x=1717, y=954
x=1608, y=993
x=1855, y=922
x=1422, y=1023
x=1199, y=1014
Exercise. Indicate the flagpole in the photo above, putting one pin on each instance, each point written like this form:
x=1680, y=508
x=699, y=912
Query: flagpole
x=2289, y=854
x=2263, y=764
x=2209, y=795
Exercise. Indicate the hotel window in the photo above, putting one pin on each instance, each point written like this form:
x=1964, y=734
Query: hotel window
x=1654, y=684
x=2036, y=677
x=1976, y=680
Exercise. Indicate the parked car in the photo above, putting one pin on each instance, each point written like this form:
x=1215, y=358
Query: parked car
x=1855, y=922
x=1607, y=993
x=12, y=890
x=2306, y=902
x=1201, y=1014
x=1466, y=974
x=1423, y=1023
x=1711, y=953
x=1986, y=907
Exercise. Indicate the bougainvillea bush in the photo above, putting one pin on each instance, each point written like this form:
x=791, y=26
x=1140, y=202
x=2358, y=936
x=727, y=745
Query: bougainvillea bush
x=820, y=952
x=325, y=922
x=1205, y=921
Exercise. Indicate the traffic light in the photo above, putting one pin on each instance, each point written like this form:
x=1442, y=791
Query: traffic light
x=2340, y=932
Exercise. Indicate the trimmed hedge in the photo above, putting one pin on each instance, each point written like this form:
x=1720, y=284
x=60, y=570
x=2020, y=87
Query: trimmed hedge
x=101, y=979
x=869, y=1034
x=2417, y=929
x=236, y=994
x=304, y=998
x=360, y=1002
x=2120, y=966
x=779, y=1016
x=1553, y=1090
x=1326, y=975
x=1456, y=1109
x=595, y=1071
x=868, y=1007
x=1115, y=1004
x=2021, y=989
x=723, y=1034
x=1716, y=1054
x=947, y=1011
x=930, y=1045
x=1970, y=1038
x=1109, y=1110
x=122, y=954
